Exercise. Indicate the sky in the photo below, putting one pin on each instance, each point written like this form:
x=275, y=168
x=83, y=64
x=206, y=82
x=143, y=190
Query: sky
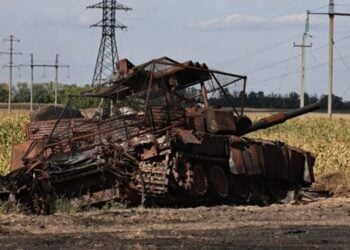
x=250, y=37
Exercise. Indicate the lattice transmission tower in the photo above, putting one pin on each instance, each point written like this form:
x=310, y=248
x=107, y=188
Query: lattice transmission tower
x=108, y=51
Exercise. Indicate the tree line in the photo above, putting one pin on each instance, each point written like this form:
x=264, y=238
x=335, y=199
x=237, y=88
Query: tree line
x=44, y=93
x=275, y=101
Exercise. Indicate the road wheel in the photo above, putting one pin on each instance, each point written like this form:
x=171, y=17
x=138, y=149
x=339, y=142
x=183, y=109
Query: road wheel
x=219, y=182
x=200, y=182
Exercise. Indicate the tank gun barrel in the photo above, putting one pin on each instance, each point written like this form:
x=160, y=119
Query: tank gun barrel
x=279, y=118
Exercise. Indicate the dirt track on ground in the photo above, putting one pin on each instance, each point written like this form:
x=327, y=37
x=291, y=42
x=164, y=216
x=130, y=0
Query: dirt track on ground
x=322, y=224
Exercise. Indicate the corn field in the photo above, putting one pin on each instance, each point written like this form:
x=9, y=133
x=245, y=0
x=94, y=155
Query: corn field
x=11, y=132
x=329, y=140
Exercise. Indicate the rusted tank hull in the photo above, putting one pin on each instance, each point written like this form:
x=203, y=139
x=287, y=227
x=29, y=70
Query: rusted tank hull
x=177, y=167
x=233, y=169
x=157, y=140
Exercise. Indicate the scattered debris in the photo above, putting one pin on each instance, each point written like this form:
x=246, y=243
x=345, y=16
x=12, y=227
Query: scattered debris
x=336, y=184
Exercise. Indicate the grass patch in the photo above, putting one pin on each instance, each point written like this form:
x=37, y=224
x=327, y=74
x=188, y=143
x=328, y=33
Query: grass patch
x=4, y=207
x=113, y=205
x=65, y=206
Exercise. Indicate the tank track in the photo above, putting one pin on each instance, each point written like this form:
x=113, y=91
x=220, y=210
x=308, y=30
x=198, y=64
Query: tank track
x=155, y=178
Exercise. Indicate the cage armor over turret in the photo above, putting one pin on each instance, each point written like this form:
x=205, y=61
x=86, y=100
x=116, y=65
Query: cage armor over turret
x=157, y=138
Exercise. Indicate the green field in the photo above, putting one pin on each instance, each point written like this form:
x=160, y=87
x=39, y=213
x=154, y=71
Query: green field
x=328, y=139
x=11, y=132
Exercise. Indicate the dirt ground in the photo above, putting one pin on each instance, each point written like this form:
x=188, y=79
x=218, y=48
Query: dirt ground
x=321, y=224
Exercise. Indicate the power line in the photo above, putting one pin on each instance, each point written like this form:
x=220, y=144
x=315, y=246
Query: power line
x=346, y=90
x=303, y=46
x=292, y=58
x=295, y=72
x=11, y=53
x=256, y=52
x=342, y=58
x=271, y=65
x=331, y=14
x=286, y=69
x=259, y=51
x=32, y=65
x=233, y=34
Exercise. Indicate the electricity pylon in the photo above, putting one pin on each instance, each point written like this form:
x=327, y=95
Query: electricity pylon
x=108, y=52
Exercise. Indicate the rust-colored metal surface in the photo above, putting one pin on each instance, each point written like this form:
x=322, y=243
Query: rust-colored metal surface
x=18, y=152
x=157, y=139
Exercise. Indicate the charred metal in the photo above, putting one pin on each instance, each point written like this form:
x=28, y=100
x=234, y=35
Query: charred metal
x=155, y=138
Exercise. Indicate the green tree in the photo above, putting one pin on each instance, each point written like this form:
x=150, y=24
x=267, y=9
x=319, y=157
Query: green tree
x=4, y=94
x=21, y=93
x=77, y=102
x=43, y=93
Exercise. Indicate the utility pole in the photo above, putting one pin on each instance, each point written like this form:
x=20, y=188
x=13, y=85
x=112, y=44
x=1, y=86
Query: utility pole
x=331, y=13
x=32, y=65
x=108, y=52
x=56, y=79
x=11, y=53
x=303, y=46
x=31, y=80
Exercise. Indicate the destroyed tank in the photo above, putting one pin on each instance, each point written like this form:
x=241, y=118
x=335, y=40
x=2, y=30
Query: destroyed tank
x=157, y=138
